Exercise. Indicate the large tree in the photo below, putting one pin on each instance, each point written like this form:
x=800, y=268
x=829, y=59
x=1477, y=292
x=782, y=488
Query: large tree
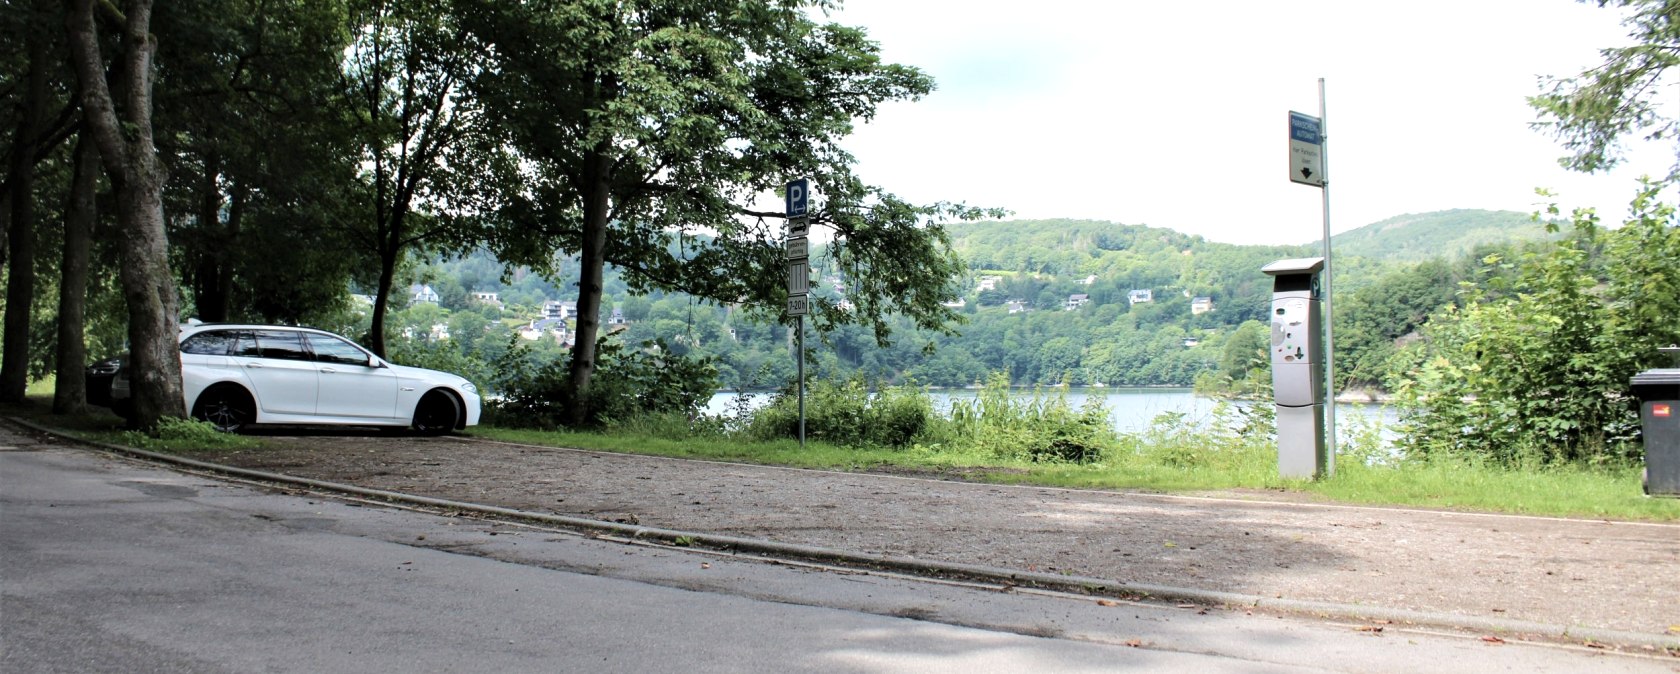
x=651, y=130
x=421, y=138
x=80, y=215
x=1631, y=94
x=264, y=168
x=28, y=141
x=123, y=129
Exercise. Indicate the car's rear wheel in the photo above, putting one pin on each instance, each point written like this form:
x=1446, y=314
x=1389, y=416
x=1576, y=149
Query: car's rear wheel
x=228, y=408
x=437, y=414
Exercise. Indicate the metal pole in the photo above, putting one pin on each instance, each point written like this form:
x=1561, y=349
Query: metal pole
x=800, y=356
x=1329, y=315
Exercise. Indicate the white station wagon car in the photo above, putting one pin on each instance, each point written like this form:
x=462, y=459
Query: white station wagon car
x=237, y=375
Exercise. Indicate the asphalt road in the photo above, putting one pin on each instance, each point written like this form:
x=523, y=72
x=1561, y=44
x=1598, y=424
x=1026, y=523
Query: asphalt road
x=112, y=565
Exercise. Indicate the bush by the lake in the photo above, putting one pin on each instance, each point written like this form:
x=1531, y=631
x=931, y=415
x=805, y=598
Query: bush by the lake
x=1042, y=426
x=1536, y=364
x=628, y=384
x=846, y=413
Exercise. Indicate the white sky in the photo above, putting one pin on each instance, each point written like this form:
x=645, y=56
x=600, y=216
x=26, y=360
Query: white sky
x=1174, y=113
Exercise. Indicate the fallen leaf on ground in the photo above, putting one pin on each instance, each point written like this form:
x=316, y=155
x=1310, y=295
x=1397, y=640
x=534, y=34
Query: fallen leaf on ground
x=1493, y=640
x=705, y=565
x=1369, y=628
x=1107, y=602
x=1135, y=643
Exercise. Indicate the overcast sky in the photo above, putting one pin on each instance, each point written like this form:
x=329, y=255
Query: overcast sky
x=1175, y=114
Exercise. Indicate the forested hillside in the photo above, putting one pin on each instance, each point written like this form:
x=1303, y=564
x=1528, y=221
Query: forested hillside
x=1418, y=237
x=1046, y=301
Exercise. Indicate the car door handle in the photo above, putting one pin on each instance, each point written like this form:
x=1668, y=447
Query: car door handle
x=328, y=370
x=254, y=366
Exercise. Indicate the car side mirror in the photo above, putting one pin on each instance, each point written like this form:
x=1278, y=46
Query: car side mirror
x=375, y=363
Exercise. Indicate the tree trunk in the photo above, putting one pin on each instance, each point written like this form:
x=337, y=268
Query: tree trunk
x=596, y=212
x=126, y=149
x=381, y=303
x=390, y=255
x=209, y=300
x=70, y=393
x=20, y=233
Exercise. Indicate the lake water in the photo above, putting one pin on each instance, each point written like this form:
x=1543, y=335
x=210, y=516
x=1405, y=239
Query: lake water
x=1129, y=409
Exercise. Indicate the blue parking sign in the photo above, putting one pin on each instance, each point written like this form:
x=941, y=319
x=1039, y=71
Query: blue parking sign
x=798, y=196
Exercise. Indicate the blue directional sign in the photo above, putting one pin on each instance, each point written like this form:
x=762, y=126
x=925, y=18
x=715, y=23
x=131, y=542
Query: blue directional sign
x=1306, y=149
x=798, y=196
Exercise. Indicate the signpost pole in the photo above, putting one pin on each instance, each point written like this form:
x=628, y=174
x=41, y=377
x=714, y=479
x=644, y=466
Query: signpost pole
x=1329, y=314
x=799, y=271
x=799, y=324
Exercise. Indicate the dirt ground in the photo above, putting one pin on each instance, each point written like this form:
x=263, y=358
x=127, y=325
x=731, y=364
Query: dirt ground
x=1606, y=575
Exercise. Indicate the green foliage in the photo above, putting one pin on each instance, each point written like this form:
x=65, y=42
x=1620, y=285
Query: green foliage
x=175, y=434
x=1039, y=427
x=846, y=413
x=1593, y=113
x=1439, y=235
x=1224, y=443
x=1536, y=365
x=443, y=356
x=629, y=384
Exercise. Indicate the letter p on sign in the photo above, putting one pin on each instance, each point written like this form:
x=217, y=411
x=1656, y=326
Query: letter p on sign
x=798, y=195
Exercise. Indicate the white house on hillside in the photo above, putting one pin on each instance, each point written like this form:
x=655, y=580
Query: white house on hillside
x=1140, y=295
x=1201, y=305
x=1076, y=301
x=420, y=292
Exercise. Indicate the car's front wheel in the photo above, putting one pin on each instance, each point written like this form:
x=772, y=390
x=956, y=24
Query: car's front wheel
x=437, y=414
x=228, y=408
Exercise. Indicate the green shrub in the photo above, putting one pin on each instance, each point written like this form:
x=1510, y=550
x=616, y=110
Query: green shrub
x=1042, y=427
x=627, y=384
x=173, y=433
x=847, y=414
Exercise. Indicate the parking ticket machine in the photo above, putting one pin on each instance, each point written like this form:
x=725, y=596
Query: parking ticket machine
x=1297, y=355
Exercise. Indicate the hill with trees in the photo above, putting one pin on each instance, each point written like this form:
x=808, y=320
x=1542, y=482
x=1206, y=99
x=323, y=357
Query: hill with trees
x=1419, y=237
x=1044, y=301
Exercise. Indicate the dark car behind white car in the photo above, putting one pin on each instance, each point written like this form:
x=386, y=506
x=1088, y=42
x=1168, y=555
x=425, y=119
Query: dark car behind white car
x=237, y=375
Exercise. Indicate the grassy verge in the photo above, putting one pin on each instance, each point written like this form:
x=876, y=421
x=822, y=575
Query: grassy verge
x=100, y=425
x=1181, y=458
x=1241, y=470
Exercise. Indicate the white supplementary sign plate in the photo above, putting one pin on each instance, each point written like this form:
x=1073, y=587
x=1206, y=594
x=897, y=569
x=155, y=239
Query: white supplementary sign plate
x=798, y=248
x=1306, y=149
x=798, y=305
x=798, y=277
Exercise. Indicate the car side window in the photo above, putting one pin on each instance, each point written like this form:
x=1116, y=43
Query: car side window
x=215, y=343
x=245, y=344
x=335, y=350
x=281, y=345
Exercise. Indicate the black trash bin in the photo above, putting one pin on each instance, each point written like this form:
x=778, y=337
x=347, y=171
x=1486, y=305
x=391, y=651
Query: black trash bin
x=1659, y=415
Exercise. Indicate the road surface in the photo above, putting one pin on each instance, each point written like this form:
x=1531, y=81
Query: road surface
x=112, y=565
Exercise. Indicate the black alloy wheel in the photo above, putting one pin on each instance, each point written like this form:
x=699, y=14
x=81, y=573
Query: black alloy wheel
x=226, y=408
x=436, y=414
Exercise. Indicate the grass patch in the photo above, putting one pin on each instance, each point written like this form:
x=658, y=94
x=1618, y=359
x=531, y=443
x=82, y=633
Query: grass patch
x=99, y=424
x=1176, y=455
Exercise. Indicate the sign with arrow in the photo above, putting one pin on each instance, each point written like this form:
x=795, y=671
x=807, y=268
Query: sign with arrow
x=1306, y=149
x=798, y=197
